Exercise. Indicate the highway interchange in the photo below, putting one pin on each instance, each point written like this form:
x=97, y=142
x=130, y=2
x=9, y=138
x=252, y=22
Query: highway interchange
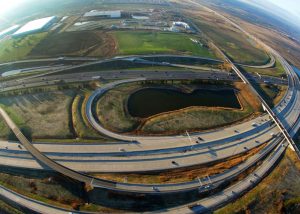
x=157, y=153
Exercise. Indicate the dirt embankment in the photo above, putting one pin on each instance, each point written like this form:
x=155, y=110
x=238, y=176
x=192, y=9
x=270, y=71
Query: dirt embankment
x=246, y=93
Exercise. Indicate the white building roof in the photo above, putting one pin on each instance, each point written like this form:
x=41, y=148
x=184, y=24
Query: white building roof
x=9, y=30
x=113, y=13
x=183, y=24
x=140, y=17
x=34, y=25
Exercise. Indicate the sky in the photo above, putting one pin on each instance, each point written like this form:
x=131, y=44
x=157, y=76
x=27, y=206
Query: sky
x=7, y=5
x=287, y=9
x=292, y=6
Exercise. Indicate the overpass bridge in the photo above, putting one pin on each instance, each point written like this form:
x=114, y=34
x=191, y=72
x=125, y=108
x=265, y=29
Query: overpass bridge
x=265, y=106
x=269, y=111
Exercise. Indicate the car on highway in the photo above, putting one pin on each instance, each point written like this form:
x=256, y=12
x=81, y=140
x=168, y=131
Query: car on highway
x=205, y=188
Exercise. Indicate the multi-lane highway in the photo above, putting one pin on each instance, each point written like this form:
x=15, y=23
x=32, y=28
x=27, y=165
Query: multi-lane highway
x=183, y=139
x=141, y=153
x=230, y=141
x=234, y=191
x=221, y=147
x=114, y=75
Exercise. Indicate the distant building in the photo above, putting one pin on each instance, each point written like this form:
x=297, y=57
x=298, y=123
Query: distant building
x=35, y=26
x=9, y=31
x=181, y=24
x=105, y=14
x=140, y=17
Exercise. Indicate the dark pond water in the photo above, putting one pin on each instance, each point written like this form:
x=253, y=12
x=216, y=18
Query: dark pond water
x=151, y=101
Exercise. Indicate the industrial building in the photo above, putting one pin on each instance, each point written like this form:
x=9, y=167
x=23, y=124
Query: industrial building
x=181, y=24
x=179, y=27
x=9, y=31
x=35, y=26
x=140, y=17
x=104, y=14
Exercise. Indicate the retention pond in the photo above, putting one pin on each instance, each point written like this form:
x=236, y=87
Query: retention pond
x=151, y=101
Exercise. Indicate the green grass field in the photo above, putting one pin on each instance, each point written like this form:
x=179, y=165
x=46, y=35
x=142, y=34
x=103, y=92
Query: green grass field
x=145, y=42
x=18, y=48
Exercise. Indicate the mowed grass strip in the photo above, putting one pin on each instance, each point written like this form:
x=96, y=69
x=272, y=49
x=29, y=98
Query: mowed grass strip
x=13, y=49
x=145, y=42
x=82, y=130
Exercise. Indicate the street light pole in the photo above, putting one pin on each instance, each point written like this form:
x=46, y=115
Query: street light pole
x=190, y=139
